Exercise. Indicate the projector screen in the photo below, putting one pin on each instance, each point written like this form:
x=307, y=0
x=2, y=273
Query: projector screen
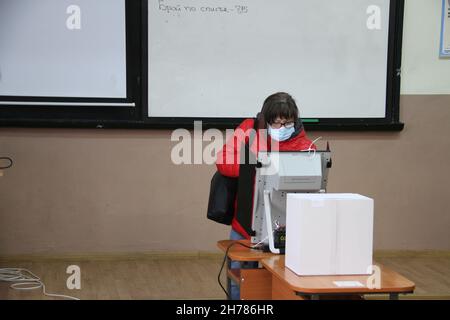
x=63, y=48
x=221, y=59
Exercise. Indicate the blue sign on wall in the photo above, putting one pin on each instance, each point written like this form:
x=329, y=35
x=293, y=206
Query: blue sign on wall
x=445, y=31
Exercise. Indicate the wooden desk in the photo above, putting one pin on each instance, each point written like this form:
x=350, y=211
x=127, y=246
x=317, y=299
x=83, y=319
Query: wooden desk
x=241, y=253
x=286, y=283
x=255, y=284
x=274, y=281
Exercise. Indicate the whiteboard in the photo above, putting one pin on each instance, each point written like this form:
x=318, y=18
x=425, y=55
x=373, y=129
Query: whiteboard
x=41, y=57
x=223, y=63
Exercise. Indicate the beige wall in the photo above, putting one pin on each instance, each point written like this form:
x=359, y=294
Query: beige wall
x=78, y=191
x=422, y=70
x=74, y=191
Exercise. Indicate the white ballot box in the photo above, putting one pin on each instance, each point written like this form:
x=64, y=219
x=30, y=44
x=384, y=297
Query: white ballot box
x=329, y=234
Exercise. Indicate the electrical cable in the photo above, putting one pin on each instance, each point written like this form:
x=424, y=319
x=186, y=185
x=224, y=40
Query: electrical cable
x=312, y=143
x=6, y=159
x=255, y=247
x=310, y=147
x=23, y=279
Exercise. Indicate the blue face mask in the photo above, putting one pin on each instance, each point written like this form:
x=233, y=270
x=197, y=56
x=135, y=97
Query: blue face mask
x=281, y=134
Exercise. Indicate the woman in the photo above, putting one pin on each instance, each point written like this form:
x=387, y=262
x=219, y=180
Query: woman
x=285, y=132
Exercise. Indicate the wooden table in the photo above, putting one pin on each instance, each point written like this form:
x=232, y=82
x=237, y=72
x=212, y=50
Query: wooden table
x=241, y=253
x=272, y=280
x=255, y=284
x=286, y=283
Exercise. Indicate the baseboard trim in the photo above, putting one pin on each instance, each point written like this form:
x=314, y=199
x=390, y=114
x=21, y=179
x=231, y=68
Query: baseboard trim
x=102, y=256
x=110, y=256
x=411, y=254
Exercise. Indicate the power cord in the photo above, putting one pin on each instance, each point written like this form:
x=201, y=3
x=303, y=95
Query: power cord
x=310, y=147
x=6, y=159
x=23, y=279
x=255, y=247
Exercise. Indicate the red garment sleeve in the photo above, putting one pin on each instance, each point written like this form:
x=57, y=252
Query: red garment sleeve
x=306, y=143
x=228, y=157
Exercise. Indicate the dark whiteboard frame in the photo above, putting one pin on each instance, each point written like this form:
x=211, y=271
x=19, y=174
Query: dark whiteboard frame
x=390, y=123
x=137, y=84
x=55, y=115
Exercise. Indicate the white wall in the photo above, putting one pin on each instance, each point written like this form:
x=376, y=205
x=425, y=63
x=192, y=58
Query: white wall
x=423, y=71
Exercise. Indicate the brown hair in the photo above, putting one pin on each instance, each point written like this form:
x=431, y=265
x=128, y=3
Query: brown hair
x=280, y=105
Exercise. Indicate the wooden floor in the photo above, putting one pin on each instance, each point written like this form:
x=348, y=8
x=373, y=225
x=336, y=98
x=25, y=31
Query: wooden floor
x=430, y=274
x=190, y=278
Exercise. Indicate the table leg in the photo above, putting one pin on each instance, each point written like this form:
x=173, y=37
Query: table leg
x=228, y=279
x=393, y=296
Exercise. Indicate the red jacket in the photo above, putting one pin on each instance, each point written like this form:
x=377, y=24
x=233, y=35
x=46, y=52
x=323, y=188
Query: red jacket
x=227, y=158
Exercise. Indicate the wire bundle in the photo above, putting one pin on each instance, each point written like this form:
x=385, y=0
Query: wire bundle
x=8, y=159
x=23, y=279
